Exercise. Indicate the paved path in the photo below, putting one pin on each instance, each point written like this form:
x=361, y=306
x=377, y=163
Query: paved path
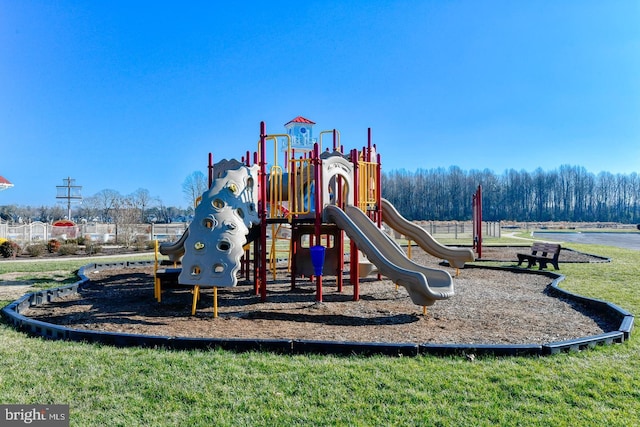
x=88, y=257
x=619, y=240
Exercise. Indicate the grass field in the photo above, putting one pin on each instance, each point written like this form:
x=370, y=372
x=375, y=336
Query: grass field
x=156, y=387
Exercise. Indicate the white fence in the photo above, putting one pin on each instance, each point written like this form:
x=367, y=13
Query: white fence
x=459, y=229
x=111, y=233
x=103, y=233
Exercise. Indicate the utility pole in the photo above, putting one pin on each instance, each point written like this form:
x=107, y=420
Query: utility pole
x=70, y=192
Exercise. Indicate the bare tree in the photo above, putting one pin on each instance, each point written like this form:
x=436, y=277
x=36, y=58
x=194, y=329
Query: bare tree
x=106, y=200
x=193, y=187
x=57, y=212
x=142, y=200
x=8, y=212
x=90, y=208
x=125, y=215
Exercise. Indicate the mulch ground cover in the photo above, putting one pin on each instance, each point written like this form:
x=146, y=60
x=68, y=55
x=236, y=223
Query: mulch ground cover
x=489, y=307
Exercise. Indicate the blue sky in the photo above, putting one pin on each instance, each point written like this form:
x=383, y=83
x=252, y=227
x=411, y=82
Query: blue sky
x=126, y=95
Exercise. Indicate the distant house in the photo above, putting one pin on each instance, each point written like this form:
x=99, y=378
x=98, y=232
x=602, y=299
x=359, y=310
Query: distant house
x=4, y=183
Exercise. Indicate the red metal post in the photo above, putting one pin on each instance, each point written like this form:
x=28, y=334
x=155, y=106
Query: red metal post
x=256, y=243
x=339, y=273
x=376, y=182
x=263, y=213
x=317, y=176
x=354, y=269
x=477, y=221
x=293, y=206
x=294, y=251
x=479, y=201
x=379, y=187
x=379, y=196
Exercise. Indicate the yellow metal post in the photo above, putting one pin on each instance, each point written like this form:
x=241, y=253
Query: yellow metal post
x=215, y=301
x=196, y=295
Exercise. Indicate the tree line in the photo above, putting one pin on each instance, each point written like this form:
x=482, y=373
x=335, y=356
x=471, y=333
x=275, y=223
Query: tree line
x=108, y=206
x=569, y=193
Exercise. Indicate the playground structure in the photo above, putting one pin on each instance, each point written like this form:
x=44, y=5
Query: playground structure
x=310, y=202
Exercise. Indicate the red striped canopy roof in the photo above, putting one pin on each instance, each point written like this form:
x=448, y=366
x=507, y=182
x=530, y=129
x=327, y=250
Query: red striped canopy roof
x=300, y=119
x=4, y=182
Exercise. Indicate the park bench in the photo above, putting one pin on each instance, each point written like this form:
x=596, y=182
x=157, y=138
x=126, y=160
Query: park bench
x=542, y=254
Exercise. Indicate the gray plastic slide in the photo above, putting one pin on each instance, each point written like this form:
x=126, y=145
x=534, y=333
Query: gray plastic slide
x=455, y=256
x=424, y=285
x=174, y=250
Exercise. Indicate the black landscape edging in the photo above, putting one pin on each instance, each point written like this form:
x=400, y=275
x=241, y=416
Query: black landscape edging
x=281, y=346
x=288, y=346
x=583, y=343
x=481, y=349
x=600, y=257
x=348, y=348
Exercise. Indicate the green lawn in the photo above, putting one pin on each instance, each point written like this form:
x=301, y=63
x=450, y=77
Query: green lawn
x=153, y=387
